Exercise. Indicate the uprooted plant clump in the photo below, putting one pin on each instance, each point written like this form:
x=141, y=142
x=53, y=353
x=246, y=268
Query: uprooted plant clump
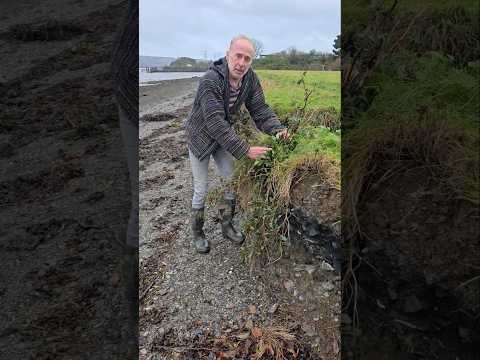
x=256, y=343
x=274, y=343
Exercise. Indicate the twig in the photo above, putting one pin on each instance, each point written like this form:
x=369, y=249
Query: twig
x=147, y=289
x=184, y=348
x=410, y=325
x=467, y=282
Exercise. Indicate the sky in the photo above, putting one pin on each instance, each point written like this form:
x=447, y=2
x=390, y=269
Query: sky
x=203, y=29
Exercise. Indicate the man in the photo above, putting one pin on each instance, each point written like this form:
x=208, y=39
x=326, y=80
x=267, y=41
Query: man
x=125, y=81
x=125, y=76
x=229, y=83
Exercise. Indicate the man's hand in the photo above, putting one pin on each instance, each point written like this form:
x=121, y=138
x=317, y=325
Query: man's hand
x=284, y=134
x=256, y=151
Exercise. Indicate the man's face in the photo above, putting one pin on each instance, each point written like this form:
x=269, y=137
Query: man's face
x=239, y=58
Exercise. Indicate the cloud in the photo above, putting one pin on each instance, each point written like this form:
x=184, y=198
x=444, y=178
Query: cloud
x=191, y=28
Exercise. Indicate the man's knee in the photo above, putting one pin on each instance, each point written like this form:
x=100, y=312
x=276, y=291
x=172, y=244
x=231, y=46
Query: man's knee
x=225, y=170
x=200, y=193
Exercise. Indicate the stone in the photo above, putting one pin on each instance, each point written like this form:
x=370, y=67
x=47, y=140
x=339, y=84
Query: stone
x=464, y=333
x=273, y=308
x=309, y=330
x=313, y=229
x=289, y=285
x=346, y=319
x=310, y=269
x=412, y=304
x=327, y=286
x=197, y=333
x=392, y=294
x=326, y=266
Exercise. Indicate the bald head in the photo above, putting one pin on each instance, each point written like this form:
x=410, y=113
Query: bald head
x=244, y=40
x=239, y=57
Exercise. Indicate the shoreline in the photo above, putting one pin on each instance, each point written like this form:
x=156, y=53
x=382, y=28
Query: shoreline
x=158, y=82
x=167, y=95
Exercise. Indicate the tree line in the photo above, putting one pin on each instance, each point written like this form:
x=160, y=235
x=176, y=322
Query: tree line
x=290, y=59
x=293, y=59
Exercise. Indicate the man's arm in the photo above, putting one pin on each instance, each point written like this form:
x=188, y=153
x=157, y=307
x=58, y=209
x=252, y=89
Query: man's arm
x=263, y=116
x=211, y=101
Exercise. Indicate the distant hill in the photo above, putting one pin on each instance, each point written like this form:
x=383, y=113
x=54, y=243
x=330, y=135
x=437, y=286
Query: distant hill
x=154, y=61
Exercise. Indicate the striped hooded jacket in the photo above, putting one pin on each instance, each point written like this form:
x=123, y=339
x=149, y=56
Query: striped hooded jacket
x=125, y=64
x=210, y=124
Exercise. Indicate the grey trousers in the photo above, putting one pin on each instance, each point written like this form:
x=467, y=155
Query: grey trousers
x=130, y=143
x=224, y=166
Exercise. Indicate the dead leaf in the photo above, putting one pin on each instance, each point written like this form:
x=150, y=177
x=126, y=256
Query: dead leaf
x=293, y=352
x=227, y=355
x=273, y=308
x=270, y=349
x=252, y=309
x=257, y=332
x=220, y=340
x=243, y=336
x=336, y=348
x=249, y=324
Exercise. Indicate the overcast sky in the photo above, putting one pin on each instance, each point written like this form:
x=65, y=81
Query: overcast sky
x=190, y=28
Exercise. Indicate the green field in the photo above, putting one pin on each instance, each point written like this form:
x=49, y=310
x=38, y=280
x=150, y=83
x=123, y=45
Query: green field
x=284, y=94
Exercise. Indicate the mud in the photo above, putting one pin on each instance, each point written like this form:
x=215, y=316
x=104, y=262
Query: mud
x=62, y=268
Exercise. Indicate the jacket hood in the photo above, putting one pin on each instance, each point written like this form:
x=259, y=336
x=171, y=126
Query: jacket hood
x=220, y=66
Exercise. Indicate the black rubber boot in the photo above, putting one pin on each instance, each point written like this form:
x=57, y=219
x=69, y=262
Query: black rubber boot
x=226, y=212
x=199, y=241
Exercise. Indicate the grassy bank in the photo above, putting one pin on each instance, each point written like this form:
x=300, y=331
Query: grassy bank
x=308, y=104
x=284, y=93
x=425, y=84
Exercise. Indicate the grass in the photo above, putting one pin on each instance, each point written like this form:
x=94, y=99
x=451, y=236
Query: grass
x=284, y=93
x=359, y=10
x=408, y=83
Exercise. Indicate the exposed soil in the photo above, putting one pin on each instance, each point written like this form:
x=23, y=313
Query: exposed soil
x=310, y=191
x=188, y=300
x=63, y=164
x=417, y=286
